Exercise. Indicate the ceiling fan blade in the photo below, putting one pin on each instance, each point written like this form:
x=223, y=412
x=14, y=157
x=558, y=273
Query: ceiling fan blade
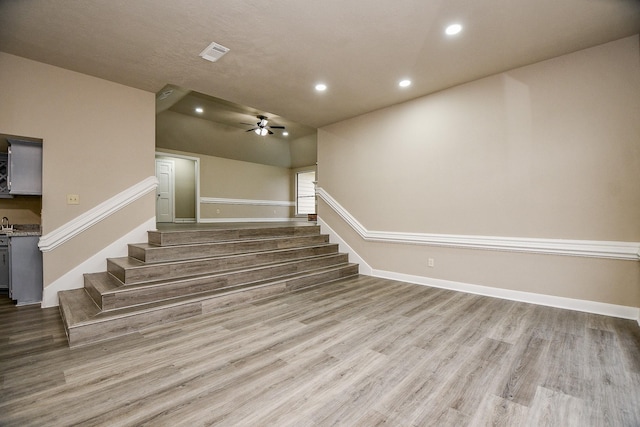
x=248, y=124
x=276, y=127
x=251, y=130
x=270, y=133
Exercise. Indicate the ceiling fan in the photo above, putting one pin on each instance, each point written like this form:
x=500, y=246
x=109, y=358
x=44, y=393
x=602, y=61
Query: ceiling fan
x=261, y=127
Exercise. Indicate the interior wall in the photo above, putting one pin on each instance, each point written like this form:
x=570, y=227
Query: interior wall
x=98, y=140
x=22, y=209
x=250, y=190
x=548, y=150
x=175, y=129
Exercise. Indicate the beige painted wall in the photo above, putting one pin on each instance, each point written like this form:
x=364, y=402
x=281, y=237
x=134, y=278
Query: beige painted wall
x=98, y=140
x=21, y=209
x=550, y=150
x=174, y=129
x=234, y=179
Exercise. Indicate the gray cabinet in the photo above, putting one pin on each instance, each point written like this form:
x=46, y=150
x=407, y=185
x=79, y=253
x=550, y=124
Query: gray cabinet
x=25, y=269
x=4, y=176
x=4, y=263
x=24, y=167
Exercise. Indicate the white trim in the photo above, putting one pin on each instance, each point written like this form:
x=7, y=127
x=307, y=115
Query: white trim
x=197, y=175
x=363, y=267
x=585, y=248
x=612, y=310
x=184, y=220
x=172, y=190
x=94, y=215
x=74, y=279
x=215, y=220
x=224, y=201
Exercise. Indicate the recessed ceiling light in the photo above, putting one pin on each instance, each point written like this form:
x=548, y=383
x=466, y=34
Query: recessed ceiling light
x=453, y=29
x=404, y=83
x=321, y=87
x=199, y=110
x=285, y=133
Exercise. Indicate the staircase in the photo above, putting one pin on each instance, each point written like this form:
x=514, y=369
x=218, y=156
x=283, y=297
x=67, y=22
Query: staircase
x=184, y=273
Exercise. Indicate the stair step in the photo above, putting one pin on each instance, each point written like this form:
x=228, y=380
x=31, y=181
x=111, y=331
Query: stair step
x=150, y=253
x=180, y=237
x=86, y=324
x=109, y=293
x=129, y=270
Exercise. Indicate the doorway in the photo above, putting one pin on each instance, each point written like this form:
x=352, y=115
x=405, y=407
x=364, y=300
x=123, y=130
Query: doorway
x=185, y=184
x=165, y=196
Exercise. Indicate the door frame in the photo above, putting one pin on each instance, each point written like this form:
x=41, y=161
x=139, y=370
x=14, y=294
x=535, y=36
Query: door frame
x=172, y=190
x=196, y=160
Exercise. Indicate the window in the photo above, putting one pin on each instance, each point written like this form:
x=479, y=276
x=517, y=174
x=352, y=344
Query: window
x=305, y=193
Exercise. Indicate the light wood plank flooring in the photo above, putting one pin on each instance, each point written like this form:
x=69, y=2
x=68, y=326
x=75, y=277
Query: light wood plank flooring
x=358, y=352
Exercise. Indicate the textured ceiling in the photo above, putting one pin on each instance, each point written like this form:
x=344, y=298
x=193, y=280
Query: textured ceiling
x=280, y=49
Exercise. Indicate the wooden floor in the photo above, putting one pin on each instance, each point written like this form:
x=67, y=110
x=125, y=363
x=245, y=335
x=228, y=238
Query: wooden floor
x=359, y=352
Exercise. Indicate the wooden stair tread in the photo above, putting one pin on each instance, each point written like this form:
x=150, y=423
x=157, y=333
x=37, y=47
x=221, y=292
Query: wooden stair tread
x=151, y=253
x=128, y=262
x=183, y=273
x=172, y=237
x=113, y=284
x=95, y=315
x=76, y=306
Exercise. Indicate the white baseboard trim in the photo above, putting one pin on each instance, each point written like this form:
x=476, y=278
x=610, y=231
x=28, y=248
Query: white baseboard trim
x=629, y=251
x=74, y=279
x=613, y=310
x=216, y=220
x=84, y=221
x=184, y=220
x=363, y=267
x=593, y=307
x=225, y=201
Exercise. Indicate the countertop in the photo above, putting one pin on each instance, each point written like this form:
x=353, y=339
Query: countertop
x=22, y=230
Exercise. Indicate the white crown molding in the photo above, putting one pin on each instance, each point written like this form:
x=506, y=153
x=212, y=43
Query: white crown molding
x=96, y=214
x=223, y=201
x=629, y=251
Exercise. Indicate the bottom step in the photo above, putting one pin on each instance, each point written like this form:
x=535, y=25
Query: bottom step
x=86, y=324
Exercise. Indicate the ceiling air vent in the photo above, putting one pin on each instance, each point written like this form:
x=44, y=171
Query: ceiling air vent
x=213, y=52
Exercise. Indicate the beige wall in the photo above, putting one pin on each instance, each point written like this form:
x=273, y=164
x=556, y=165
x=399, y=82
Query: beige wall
x=234, y=179
x=174, y=130
x=21, y=209
x=98, y=140
x=550, y=150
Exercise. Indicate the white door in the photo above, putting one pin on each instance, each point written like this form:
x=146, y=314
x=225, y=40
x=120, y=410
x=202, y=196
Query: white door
x=164, y=192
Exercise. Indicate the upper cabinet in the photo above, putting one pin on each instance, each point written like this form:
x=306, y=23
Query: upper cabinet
x=24, y=167
x=4, y=176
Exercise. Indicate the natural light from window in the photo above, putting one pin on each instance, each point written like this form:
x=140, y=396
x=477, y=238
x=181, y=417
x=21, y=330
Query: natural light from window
x=305, y=193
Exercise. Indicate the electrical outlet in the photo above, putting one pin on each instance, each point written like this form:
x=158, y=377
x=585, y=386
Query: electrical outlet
x=431, y=262
x=73, y=199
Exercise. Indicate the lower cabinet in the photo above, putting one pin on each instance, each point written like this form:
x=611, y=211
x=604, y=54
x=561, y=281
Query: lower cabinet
x=25, y=270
